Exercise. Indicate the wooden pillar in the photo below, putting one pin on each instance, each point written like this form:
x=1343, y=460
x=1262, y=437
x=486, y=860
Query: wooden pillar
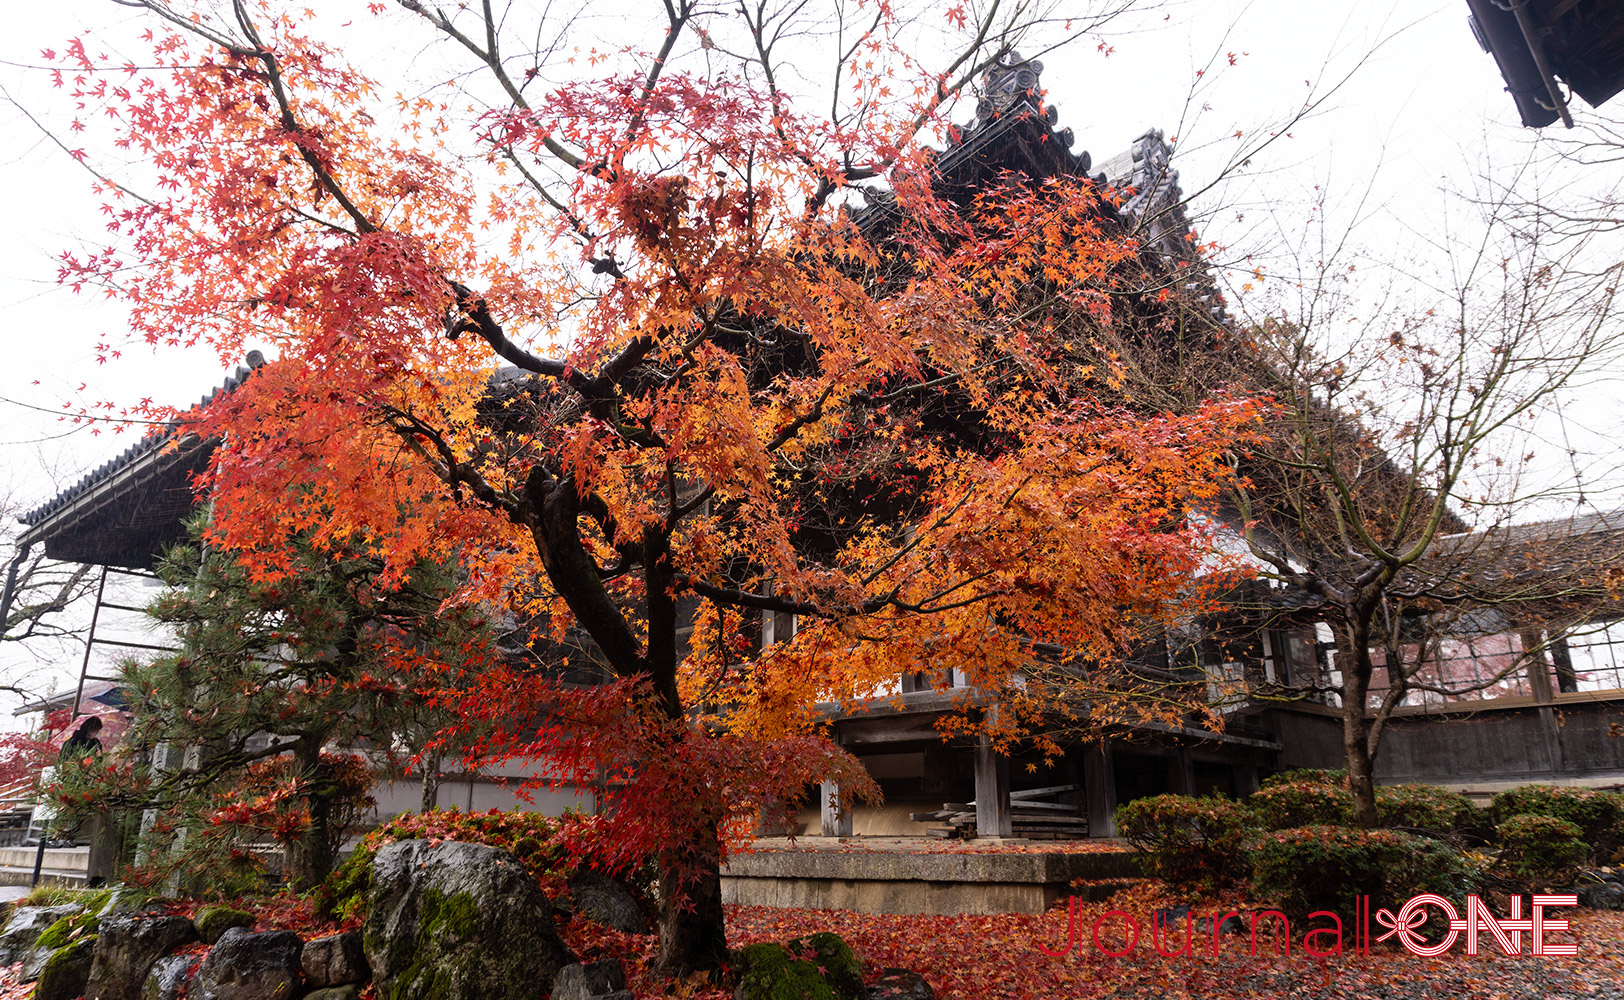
x=1539, y=685
x=836, y=821
x=1099, y=790
x=1537, y=668
x=1181, y=773
x=992, y=791
x=1246, y=780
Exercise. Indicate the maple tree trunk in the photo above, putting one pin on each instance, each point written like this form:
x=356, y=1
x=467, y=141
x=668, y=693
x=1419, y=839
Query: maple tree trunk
x=1357, y=756
x=693, y=936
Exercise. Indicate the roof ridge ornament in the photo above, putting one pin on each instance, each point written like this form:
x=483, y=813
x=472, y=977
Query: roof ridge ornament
x=1007, y=82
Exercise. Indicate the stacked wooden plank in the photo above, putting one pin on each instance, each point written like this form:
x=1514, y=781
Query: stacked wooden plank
x=1034, y=817
x=960, y=818
x=1031, y=814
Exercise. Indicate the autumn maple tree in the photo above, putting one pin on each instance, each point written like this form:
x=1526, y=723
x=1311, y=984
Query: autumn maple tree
x=608, y=329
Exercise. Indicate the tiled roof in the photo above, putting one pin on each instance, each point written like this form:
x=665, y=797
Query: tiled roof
x=125, y=512
x=169, y=434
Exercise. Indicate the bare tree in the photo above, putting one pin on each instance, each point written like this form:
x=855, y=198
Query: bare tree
x=1389, y=497
x=37, y=594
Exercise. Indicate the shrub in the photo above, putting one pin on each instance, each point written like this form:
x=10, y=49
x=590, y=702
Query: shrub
x=1292, y=804
x=1599, y=815
x=1187, y=841
x=1336, y=777
x=218, y=839
x=1534, y=846
x=1328, y=867
x=1424, y=807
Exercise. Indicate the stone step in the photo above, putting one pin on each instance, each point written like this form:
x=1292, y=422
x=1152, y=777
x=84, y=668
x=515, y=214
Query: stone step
x=56, y=858
x=47, y=876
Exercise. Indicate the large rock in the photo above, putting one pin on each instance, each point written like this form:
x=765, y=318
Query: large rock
x=59, y=935
x=244, y=965
x=334, y=961
x=168, y=977
x=128, y=944
x=900, y=984
x=607, y=901
x=25, y=927
x=65, y=975
x=601, y=980
x=1601, y=895
x=350, y=992
x=454, y=921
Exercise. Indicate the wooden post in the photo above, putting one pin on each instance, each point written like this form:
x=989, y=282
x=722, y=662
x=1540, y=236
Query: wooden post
x=1539, y=685
x=836, y=822
x=1181, y=773
x=992, y=791
x=1099, y=790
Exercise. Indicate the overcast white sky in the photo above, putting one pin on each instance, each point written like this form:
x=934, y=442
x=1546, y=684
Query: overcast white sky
x=1425, y=113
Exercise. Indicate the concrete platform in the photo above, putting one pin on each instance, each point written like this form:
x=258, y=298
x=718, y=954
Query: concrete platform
x=890, y=878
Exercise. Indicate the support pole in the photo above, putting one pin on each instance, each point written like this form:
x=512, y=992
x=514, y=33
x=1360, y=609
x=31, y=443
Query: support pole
x=39, y=858
x=1181, y=776
x=90, y=641
x=1536, y=48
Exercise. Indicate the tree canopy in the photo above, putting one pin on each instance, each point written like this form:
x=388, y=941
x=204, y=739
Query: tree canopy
x=630, y=350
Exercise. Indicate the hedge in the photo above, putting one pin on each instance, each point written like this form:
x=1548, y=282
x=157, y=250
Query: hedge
x=1187, y=841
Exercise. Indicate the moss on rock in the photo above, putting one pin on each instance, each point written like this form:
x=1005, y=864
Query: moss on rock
x=213, y=921
x=834, y=957
x=63, y=932
x=67, y=972
x=770, y=972
x=444, y=922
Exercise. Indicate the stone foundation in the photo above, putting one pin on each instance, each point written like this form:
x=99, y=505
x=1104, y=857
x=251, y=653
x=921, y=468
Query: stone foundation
x=937, y=883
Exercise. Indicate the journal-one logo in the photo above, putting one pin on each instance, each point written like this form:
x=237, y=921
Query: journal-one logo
x=1328, y=937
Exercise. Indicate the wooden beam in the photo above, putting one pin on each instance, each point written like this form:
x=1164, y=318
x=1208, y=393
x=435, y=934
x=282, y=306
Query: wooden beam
x=1038, y=793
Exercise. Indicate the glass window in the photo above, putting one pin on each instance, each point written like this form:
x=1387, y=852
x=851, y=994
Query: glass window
x=1595, y=656
x=1459, y=668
